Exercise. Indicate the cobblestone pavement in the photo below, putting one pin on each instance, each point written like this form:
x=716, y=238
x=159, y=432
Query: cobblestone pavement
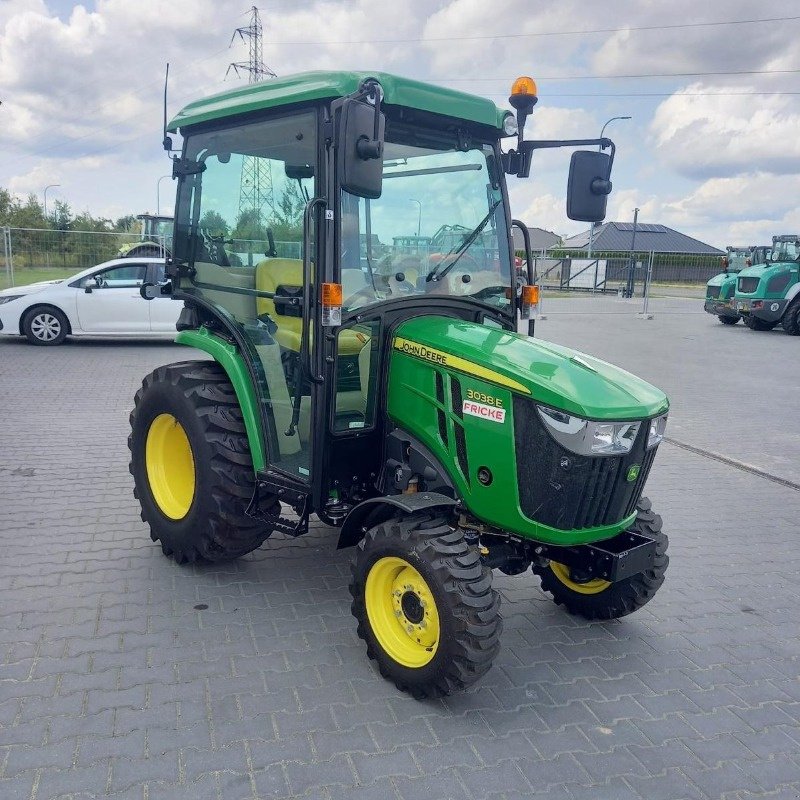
x=125, y=675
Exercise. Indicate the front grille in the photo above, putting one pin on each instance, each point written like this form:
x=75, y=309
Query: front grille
x=712, y=292
x=570, y=491
x=747, y=285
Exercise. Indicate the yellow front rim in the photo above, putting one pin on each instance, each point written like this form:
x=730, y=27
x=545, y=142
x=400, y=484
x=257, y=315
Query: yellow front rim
x=170, y=466
x=402, y=612
x=594, y=586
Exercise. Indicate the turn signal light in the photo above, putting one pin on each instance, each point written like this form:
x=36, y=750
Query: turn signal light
x=331, y=304
x=530, y=295
x=530, y=301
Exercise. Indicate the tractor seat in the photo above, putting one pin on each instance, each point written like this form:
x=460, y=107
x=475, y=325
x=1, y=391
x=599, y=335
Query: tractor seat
x=283, y=277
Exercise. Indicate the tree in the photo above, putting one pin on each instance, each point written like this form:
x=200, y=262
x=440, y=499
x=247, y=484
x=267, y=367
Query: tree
x=215, y=224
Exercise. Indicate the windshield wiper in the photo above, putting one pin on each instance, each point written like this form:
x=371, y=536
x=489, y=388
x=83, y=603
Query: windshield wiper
x=434, y=274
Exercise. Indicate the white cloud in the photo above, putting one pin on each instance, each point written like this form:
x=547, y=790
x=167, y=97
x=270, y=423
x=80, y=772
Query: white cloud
x=703, y=136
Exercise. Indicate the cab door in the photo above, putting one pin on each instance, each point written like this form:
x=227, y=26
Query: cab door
x=240, y=227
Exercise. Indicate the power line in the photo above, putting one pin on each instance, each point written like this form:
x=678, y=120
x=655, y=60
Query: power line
x=643, y=75
x=673, y=94
x=631, y=28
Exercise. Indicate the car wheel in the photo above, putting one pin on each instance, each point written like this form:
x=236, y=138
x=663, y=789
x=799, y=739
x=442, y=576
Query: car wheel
x=45, y=325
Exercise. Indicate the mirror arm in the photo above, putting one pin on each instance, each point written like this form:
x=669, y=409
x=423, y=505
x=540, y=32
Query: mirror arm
x=518, y=162
x=368, y=149
x=526, y=238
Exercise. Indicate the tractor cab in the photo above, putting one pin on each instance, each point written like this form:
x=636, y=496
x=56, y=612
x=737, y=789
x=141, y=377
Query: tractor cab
x=376, y=377
x=768, y=293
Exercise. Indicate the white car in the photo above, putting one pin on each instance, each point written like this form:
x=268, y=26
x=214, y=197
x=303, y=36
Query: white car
x=101, y=301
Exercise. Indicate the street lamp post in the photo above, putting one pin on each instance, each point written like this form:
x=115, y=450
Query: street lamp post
x=49, y=186
x=600, y=147
x=158, y=193
x=419, y=217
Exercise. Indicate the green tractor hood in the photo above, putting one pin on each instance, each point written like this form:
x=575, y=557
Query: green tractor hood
x=722, y=278
x=550, y=374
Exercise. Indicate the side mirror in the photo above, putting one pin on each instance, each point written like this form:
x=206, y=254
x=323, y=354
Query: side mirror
x=89, y=284
x=589, y=185
x=360, y=153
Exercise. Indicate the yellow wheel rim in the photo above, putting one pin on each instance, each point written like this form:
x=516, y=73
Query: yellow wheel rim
x=170, y=466
x=402, y=612
x=594, y=586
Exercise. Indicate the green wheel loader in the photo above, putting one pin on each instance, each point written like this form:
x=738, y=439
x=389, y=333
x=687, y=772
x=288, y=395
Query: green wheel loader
x=721, y=288
x=769, y=294
x=399, y=404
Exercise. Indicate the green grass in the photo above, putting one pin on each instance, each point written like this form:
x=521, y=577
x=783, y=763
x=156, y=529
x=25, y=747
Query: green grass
x=22, y=277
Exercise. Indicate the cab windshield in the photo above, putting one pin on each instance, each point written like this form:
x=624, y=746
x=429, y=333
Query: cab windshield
x=438, y=228
x=786, y=251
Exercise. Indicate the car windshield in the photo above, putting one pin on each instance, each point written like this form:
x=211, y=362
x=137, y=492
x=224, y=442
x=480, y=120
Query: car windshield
x=438, y=228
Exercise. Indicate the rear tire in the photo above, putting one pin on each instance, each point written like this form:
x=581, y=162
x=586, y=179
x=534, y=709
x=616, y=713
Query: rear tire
x=756, y=324
x=425, y=605
x=191, y=464
x=599, y=599
x=791, y=318
x=45, y=326
x=728, y=320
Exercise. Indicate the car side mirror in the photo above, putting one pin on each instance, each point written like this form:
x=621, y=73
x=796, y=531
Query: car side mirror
x=360, y=153
x=589, y=185
x=89, y=284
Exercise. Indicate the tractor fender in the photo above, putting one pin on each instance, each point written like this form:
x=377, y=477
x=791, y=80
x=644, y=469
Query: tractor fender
x=378, y=509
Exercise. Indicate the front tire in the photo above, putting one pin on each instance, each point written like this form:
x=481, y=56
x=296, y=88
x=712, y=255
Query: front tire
x=728, y=320
x=45, y=325
x=756, y=324
x=191, y=464
x=599, y=599
x=425, y=605
x=791, y=319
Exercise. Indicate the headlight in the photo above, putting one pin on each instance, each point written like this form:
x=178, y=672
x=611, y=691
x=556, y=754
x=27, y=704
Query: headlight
x=9, y=297
x=656, y=434
x=589, y=437
x=510, y=125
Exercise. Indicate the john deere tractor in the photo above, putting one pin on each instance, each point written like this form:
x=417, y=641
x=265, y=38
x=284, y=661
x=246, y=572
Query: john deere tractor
x=401, y=405
x=721, y=288
x=769, y=294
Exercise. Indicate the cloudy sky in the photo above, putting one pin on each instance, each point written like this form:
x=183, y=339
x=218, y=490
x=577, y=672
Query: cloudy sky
x=712, y=147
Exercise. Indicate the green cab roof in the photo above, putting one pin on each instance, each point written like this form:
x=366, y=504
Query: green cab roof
x=307, y=87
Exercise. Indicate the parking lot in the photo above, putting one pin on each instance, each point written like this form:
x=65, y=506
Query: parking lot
x=125, y=675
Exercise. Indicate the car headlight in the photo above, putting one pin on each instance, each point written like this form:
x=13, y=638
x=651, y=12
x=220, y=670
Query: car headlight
x=656, y=433
x=9, y=297
x=589, y=437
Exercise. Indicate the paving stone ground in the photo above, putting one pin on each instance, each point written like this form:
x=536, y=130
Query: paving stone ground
x=124, y=675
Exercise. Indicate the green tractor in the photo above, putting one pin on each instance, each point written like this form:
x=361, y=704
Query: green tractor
x=402, y=407
x=769, y=294
x=155, y=238
x=721, y=288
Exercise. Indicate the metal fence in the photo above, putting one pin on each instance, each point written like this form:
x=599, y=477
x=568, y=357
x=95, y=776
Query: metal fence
x=628, y=273
x=33, y=254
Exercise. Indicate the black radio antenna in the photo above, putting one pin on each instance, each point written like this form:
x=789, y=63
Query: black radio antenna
x=167, y=142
